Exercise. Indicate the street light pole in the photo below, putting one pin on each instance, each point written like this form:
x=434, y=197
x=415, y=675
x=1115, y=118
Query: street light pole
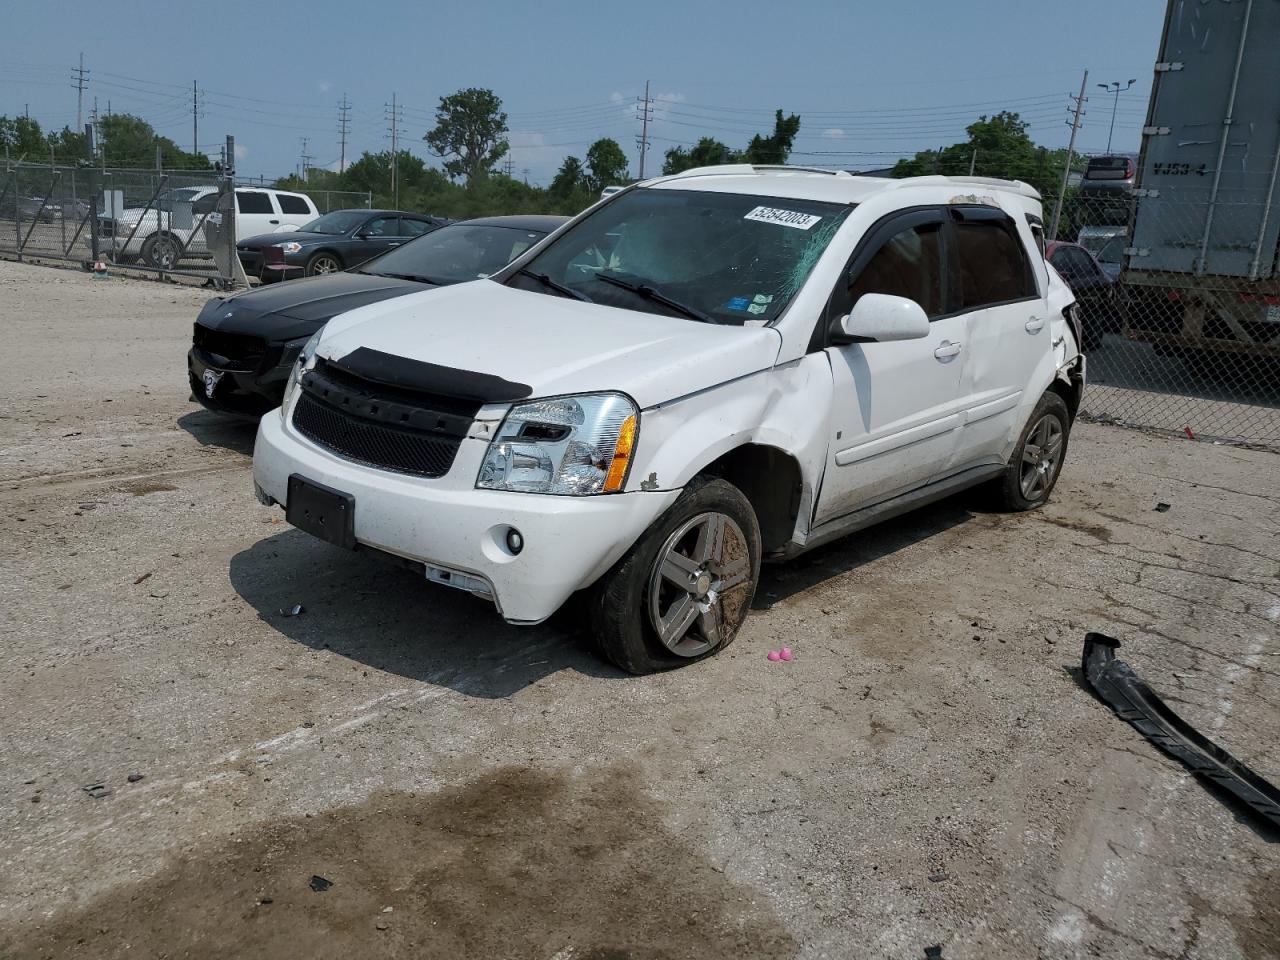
x=1114, y=87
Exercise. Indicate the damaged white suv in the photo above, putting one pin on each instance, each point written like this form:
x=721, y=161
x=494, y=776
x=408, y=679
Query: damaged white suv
x=701, y=372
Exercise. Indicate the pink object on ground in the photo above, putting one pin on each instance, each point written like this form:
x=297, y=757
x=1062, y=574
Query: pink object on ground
x=786, y=653
x=774, y=656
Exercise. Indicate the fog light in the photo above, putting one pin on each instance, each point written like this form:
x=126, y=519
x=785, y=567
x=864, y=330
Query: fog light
x=515, y=541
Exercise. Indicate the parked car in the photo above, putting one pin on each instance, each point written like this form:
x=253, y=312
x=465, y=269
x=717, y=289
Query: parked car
x=244, y=345
x=706, y=370
x=340, y=239
x=162, y=234
x=1094, y=289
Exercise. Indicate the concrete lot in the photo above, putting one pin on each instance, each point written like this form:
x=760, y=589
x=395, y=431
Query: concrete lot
x=929, y=770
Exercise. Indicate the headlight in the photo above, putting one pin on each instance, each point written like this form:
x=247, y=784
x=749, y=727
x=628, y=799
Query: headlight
x=291, y=247
x=574, y=446
x=305, y=359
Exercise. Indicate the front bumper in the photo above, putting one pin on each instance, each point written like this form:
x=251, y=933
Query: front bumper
x=456, y=530
x=243, y=393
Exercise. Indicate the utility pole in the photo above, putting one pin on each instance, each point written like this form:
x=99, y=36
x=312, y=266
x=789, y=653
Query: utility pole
x=1071, y=149
x=1114, y=87
x=195, y=118
x=343, y=109
x=306, y=160
x=645, y=104
x=395, y=153
x=81, y=76
x=973, y=161
x=508, y=165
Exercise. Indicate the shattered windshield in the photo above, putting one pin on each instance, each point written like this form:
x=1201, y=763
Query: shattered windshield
x=713, y=257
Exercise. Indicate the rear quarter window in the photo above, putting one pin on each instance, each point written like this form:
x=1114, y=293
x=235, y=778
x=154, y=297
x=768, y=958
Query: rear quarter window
x=292, y=204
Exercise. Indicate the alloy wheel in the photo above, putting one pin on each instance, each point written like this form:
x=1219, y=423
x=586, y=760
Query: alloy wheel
x=164, y=252
x=704, y=560
x=1040, y=456
x=325, y=265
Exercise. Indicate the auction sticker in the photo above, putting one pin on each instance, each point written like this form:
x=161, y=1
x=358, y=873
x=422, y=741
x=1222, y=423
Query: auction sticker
x=785, y=218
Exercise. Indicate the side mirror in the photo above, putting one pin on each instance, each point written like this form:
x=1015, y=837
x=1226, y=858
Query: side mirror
x=882, y=317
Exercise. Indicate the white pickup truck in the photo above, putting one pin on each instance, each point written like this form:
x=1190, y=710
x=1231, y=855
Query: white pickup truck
x=699, y=373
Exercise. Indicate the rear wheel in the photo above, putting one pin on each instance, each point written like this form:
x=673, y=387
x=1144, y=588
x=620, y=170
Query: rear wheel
x=161, y=251
x=1037, y=459
x=683, y=591
x=323, y=262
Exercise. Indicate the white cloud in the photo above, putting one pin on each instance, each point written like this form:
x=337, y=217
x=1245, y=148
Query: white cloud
x=324, y=85
x=241, y=151
x=833, y=133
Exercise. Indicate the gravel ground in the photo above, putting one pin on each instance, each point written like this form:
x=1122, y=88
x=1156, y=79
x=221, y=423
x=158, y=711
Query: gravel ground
x=928, y=770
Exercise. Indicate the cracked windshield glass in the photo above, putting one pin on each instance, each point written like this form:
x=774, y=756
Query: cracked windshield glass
x=713, y=257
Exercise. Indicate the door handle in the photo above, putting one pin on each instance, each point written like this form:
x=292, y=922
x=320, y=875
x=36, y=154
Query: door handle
x=946, y=350
x=273, y=221
x=1034, y=325
x=394, y=243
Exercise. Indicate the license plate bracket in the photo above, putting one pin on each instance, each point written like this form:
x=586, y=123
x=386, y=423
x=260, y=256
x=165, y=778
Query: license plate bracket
x=321, y=511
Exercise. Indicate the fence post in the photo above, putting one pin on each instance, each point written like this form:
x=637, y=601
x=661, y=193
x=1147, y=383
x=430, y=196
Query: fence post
x=93, y=193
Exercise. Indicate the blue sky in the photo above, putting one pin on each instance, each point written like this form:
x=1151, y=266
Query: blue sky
x=871, y=81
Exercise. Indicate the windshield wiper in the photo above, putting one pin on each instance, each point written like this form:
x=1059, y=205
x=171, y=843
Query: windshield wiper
x=560, y=288
x=418, y=277
x=657, y=296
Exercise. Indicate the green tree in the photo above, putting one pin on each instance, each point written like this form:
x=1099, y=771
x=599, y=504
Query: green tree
x=129, y=141
x=470, y=134
x=997, y=146
x=607, y=164
x=569, y=178
x=22, y=139
x=776, y=148
x=706, y=152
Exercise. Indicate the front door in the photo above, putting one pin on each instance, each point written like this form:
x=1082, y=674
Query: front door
x=897, y=408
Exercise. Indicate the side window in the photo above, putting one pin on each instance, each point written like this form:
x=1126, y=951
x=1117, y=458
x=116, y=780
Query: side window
x=413, y=228
x=206, y=204
x=381, y=227
x=292, y=204
x=253, y=201
x=909, y=264
x=991, y=263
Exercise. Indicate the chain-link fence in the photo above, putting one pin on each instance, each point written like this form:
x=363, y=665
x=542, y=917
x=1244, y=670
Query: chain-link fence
x=327, y=200
x=180, y=222
x=1181, y=311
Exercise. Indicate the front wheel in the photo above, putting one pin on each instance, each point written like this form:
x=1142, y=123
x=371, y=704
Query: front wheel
x=683, y=591
x=1037, y=458
x=323, y=263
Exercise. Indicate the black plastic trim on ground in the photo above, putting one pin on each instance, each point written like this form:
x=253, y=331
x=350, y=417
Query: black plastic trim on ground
x=1125, y=692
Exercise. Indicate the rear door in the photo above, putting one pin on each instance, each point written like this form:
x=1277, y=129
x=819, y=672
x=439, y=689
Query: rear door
x=1007, y=327
x=255, y=213
x=896, y=407
x=295, y=210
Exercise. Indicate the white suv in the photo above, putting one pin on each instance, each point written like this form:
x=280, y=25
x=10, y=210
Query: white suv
x=699, y=373
x=170, y=229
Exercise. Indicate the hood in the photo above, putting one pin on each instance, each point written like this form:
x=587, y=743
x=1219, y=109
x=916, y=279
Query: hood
x=554, y=344
x=261, y=240
x=297, y=308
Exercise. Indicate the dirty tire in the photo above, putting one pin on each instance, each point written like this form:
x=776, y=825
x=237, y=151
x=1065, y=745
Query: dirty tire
x=323, y=262
x=160, y=250
x=1035, y=465
x=679, y=570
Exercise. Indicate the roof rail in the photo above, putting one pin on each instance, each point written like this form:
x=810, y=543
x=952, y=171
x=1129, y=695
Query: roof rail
x=1012, y=186
x=742, y=169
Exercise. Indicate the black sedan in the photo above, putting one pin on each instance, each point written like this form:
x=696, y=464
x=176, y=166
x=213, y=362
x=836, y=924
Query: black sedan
x=1095, y=290
x=341, y=239
x=245, y=344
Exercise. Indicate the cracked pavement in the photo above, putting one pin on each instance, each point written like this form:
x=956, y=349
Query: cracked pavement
x=928, y=770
